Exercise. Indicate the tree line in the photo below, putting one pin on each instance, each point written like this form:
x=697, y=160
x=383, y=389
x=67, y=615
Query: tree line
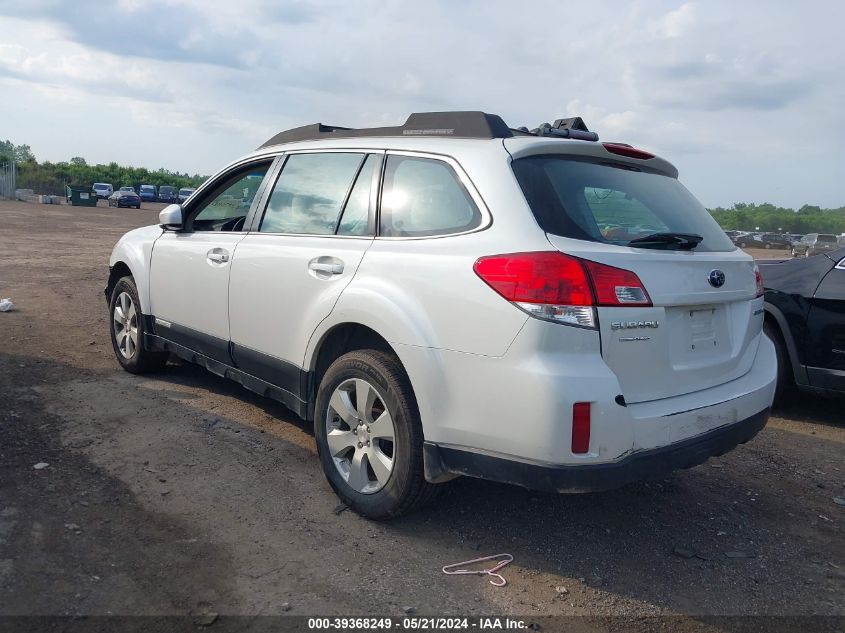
x=746, y=216
x=51, y=178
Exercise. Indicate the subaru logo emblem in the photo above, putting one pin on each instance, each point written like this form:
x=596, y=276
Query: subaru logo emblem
x=717, y=278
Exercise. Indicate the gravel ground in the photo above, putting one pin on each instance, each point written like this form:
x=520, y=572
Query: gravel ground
x=182, y=493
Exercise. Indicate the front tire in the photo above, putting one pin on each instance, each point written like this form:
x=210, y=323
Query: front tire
x=369, y=435
x=126, y=327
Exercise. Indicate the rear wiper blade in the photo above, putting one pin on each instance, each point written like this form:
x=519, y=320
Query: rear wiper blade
x=669, y=241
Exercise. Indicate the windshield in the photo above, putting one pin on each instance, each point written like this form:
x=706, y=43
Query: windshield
x=147, y=188
x=99, y=185
x=186, y=192
x=612, y=203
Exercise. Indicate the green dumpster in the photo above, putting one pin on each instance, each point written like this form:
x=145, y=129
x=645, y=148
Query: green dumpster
x=80, y=196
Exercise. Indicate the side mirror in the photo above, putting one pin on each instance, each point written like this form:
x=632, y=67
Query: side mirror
x=170, y=217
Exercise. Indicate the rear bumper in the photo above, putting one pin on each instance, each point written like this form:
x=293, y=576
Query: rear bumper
x=638, y=466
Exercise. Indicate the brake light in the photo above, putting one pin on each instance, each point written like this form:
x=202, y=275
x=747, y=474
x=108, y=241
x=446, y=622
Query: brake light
x=759, y=279
x=558, y=287
x=623, y=149
x=580, y=428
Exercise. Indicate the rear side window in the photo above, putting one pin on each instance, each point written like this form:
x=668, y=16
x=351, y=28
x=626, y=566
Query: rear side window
x=424, y=197
x=612, y=203
x=830, y=239
x=310, y=193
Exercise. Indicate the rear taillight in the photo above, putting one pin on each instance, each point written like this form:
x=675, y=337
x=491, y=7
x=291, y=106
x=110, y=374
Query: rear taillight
x=558, y=287
x=623, y=149
x=759, y=279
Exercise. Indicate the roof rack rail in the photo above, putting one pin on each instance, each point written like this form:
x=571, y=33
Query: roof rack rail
x=468, y=124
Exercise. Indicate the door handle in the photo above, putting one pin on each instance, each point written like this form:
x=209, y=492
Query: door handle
x=325, y=267
x=217, y=256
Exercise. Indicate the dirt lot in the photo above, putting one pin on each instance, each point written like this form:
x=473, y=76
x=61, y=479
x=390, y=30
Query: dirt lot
x=182, y=493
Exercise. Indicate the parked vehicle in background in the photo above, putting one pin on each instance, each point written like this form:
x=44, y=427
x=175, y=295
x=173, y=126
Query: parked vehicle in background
x=737, y=235
x=813, y=244
x=840, y=240
x=312, y=269
x=103, y=190
x=166, y=193
x=123, y=198
x=750, y=240
x=185, y=193
x=148, y=193
x=805, y=317
x=775, y=240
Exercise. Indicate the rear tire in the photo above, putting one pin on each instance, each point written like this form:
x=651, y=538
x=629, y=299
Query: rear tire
x=384, y=429
x=126, y=326
x=785, y=382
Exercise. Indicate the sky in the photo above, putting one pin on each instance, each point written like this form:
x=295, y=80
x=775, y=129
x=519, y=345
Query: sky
x=745, y=98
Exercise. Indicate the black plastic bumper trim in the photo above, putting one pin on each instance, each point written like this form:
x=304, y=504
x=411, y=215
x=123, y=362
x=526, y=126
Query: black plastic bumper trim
x=643, y=465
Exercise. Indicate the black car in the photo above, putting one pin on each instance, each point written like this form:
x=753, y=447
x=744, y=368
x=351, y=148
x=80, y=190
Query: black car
x=166, y=193
x=776, y=240
x=125, y=199
x=749, y=240
x=805, y=317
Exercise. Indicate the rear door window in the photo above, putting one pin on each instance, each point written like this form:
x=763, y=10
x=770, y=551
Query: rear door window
x=310, y=193
x=424, y=197
x=611, y=202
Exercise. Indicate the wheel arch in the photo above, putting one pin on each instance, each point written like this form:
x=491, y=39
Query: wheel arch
x=117, y=271
x=349, y=336
x=341, y=339
x=777, y=319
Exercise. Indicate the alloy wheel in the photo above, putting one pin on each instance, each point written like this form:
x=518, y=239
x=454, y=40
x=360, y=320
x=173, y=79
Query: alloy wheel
x=125, y=325
x=360, y=435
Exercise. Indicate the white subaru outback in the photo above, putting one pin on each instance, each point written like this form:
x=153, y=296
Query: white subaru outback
x=456, y=297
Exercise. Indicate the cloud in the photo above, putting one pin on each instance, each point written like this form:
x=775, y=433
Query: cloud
x=692, y=80
x=674, y=24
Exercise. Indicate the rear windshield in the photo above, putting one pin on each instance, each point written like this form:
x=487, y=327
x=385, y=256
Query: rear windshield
x=826, y=238
x=612, y=203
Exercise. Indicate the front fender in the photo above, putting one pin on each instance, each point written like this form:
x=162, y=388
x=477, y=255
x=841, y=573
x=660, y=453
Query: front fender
x=135, y=250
